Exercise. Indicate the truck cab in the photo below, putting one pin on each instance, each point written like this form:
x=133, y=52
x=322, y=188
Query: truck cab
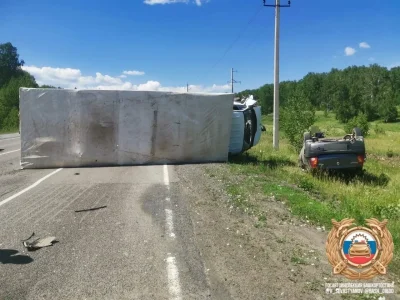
x=246, y=125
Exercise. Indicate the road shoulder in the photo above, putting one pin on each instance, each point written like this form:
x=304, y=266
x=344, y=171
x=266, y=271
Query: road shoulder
x=285, y=257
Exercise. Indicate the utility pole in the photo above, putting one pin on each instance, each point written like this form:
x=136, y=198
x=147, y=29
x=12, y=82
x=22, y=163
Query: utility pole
x=277, y=6
x=232, y=80
x=187, y=87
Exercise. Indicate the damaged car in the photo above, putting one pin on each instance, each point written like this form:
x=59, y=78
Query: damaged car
x=246, y=125
x=345, y=154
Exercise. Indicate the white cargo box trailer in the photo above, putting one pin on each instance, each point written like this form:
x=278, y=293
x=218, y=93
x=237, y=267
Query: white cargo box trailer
x=79, y=128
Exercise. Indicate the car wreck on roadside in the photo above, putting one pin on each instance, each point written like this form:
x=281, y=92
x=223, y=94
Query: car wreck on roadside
x=333, y=154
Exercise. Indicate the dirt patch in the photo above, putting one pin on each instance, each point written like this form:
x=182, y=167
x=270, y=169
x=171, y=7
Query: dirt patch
x=283, y=257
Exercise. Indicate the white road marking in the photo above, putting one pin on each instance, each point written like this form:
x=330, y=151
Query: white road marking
x=166, y=176
x=173, y=279
x=172, y=269
x=9, y=152
x=29, y=187
x=169, y=222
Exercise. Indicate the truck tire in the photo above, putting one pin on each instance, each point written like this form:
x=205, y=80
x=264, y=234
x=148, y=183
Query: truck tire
x=357, y=131
x=249, y=133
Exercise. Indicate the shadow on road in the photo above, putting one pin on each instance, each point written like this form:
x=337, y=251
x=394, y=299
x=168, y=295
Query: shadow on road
x=271, y=163
x=10, y=256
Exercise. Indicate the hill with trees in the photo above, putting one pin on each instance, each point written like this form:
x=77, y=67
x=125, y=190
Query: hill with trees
x=373, y=91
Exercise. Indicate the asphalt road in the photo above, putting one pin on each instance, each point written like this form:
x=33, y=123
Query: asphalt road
x=140, y=246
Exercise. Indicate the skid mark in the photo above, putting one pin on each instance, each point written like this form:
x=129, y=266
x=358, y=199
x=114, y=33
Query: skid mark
x=39, y=205
x=93, y=205
x=61, y=205
x=27, y=210
x=80, y=197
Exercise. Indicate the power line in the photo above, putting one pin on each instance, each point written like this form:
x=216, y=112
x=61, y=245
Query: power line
x=232, y=81
x=251, y=20
x=238, y=37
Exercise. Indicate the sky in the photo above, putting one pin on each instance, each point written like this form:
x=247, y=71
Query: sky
x=166, y=44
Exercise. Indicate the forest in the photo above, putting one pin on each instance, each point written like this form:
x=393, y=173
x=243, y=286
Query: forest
x=373, y=91
x=12, y=77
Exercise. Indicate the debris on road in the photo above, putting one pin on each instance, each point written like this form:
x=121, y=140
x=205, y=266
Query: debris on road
x=90, y=209
x=1, y=149
x=38, y=243
x=33, y=234
x=77, y=174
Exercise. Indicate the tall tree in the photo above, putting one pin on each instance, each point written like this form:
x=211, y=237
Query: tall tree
x=9, y=99
x=9, y=62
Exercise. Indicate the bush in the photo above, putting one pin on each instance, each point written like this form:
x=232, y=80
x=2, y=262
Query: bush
x=297, y=117
x=11, y=122
x=359, y=121
x=379, y=130
x=9, y=99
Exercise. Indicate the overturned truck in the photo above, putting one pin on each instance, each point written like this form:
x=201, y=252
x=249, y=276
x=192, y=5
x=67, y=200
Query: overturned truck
x=246, y=125
x=89, y=128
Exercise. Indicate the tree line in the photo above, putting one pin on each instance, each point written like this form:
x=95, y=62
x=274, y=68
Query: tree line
x=372, y=91
x=12, y=77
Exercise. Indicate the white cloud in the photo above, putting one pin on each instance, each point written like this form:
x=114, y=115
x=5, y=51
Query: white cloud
x=371, y=59
x=200, y=2
x=364, y=45
x=154, y=2
x=133, y=73
x=348, y=51
x=71, y=78
x=395, y=65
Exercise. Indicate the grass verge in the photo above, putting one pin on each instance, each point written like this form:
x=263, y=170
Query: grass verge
x=319, y=199
x=5, y=131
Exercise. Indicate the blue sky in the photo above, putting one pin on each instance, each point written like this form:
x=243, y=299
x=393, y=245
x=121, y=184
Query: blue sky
x=67, y=43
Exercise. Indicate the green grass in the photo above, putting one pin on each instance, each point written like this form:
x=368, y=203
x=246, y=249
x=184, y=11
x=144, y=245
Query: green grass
x=322, y=198
x=5, y=131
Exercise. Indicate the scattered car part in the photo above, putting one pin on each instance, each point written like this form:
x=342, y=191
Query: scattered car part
x=32, y=235
x=39, y=243
x=90, y=209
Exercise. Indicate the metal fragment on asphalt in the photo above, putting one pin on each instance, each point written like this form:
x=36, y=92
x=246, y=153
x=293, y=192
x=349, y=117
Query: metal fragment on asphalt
x=90, y=209
x=39, y=243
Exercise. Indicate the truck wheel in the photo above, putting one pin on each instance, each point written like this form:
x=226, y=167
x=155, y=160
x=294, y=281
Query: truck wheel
x=248, y=133
x=357, y=131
